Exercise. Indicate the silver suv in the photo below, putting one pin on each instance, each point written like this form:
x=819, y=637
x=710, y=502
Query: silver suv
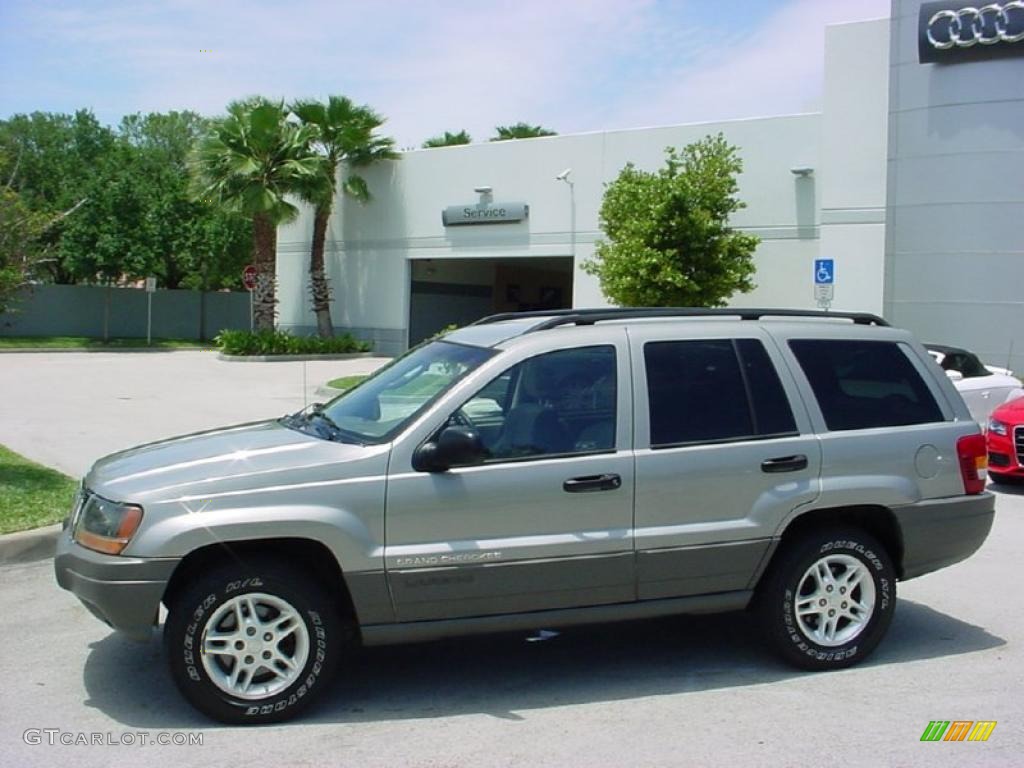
x=539, y=470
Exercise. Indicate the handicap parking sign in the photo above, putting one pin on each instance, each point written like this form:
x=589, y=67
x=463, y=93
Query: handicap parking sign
x=824, y=271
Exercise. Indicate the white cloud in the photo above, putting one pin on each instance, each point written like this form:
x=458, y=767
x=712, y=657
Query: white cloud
x=776, y=68
x=434, y=65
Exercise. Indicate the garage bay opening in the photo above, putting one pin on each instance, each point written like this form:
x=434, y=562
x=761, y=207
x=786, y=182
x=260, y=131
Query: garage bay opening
x=459, y=291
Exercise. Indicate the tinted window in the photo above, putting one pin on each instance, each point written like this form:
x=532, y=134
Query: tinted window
x=772, y=414
x=696, y=392
x=863, y=384
x=561, y=402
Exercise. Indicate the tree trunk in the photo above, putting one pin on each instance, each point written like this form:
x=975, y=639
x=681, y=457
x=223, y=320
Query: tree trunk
x=264, y=242
x=318, y=284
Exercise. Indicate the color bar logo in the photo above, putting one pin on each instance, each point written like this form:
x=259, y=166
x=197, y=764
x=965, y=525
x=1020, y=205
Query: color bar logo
x=958, y=730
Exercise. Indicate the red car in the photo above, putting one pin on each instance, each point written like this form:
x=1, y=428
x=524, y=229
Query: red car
x=1006, y=442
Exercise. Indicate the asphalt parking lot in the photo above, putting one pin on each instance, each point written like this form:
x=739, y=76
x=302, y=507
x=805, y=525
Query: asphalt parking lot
x=684, y=691
x=66, y=410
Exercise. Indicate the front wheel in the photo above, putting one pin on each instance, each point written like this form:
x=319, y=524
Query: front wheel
x=828, y=599
x=252, y=644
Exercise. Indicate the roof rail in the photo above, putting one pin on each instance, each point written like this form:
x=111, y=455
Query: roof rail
x=556, y=317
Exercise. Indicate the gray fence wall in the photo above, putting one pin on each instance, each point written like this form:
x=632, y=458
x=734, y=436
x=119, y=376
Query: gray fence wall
x=84, y=310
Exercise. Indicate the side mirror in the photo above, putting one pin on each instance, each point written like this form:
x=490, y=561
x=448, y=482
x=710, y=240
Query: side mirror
x=954, y=375
x=454, y=447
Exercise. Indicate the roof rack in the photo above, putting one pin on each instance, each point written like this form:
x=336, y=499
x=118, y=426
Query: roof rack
x=557, y=317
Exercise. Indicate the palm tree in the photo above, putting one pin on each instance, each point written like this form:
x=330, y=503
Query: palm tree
x=520, y=131
x=343, y=132
x=448, y=139
x=249, y=162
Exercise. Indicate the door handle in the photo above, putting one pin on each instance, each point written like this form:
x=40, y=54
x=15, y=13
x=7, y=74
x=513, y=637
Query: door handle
x=592, y=483
x=785, y=464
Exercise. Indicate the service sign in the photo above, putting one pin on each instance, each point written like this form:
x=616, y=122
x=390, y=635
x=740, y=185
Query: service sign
x=484, y=213
x=957, y=30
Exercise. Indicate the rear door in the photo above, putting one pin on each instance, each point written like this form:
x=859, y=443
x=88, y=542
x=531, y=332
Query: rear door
x=725, y=452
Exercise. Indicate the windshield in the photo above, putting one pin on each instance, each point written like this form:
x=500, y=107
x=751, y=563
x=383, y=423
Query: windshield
x=378, y=408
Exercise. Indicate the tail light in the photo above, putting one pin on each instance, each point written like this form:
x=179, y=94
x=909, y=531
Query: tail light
x=970, y=450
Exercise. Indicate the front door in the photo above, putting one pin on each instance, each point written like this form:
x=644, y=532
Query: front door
x=545, y=522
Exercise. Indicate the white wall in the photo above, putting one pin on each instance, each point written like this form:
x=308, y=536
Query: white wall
x=853, y=178
x=843, y=203
x=368, y=245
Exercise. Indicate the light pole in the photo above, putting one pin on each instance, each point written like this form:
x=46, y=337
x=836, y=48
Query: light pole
x=564, y=176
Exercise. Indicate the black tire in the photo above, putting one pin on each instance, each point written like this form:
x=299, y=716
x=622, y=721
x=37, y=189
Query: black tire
x=780, y=593
x=195, y=606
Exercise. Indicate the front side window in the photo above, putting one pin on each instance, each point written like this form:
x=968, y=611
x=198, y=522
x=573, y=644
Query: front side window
x=379, y=407
x=865, y=384
x=558, y=403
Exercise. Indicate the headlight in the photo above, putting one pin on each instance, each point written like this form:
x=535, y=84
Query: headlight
x=76, y=507
x=998, y=427
x=107, y=526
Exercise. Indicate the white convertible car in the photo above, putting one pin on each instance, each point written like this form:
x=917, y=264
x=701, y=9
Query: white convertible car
x=983, y=387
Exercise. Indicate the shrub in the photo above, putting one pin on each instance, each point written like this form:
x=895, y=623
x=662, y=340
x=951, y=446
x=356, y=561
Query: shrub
x=446, y=330
x=669, y=243
x=275, y=342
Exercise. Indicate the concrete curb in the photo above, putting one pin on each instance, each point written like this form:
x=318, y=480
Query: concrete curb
x=38, y=350
x=27, y=546
x=289, y=358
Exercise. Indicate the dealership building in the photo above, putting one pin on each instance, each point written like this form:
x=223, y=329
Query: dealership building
x=907, y=188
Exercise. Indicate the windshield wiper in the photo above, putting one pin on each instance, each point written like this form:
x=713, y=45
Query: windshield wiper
x=343, y=435
x=300, y=420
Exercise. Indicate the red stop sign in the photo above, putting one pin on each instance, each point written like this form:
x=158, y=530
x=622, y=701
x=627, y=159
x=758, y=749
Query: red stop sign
x=249, y=277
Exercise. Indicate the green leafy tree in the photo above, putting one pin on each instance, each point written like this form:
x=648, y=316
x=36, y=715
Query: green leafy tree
x=669, y=240
x=20, y=250
x=191, y=243
x=520, y=131
x=249, y=162
x=110, y=239
x=23, y=248
x=128, y=190
x=448, y=139
x=56, y=160
x=343, y=133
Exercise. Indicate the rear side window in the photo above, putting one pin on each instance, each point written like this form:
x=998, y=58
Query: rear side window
x=772, y=414
x=713, y=390
x=864, y=384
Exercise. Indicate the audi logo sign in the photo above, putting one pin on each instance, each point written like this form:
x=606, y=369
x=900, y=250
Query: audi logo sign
x=951, y=31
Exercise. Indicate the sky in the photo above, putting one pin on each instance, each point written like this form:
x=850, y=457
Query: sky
x=427, y=65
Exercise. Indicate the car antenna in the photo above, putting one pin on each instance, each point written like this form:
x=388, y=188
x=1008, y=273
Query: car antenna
x=305, y=394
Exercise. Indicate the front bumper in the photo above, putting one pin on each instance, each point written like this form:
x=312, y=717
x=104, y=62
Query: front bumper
x=940, y=532
x=123, y=592
x=1005, y=454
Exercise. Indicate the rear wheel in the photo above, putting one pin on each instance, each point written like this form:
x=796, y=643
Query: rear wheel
x=252, y=644
x=828, y=598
